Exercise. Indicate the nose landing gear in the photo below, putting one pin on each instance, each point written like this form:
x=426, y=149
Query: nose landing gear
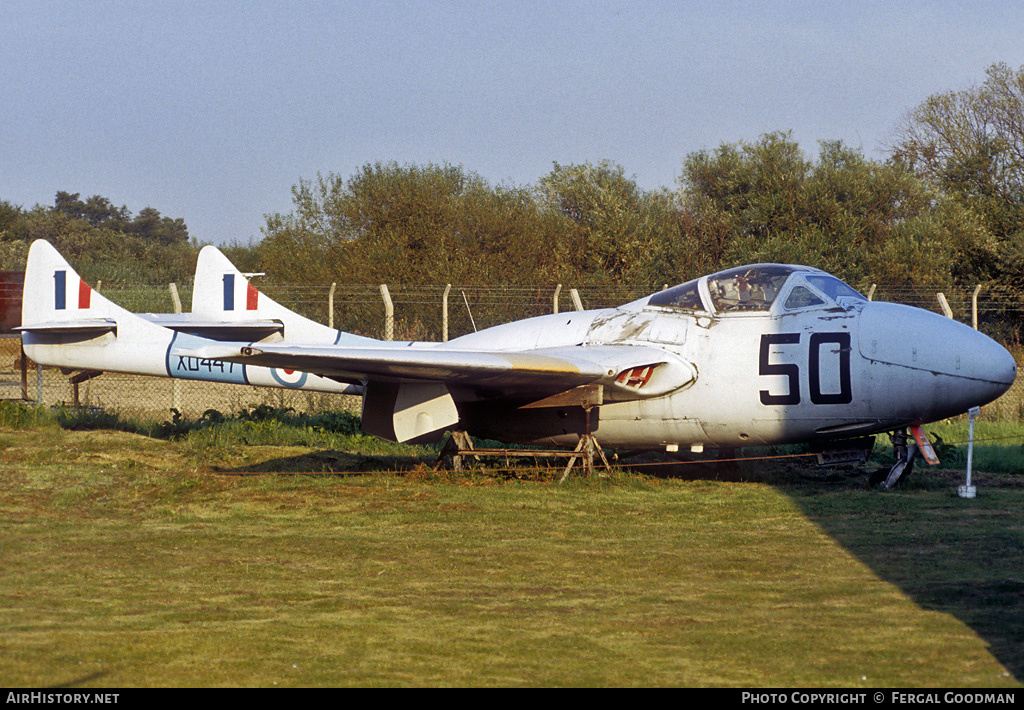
x=906, y=450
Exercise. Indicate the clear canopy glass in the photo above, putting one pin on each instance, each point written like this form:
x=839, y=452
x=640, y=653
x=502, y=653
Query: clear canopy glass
x=756, y=288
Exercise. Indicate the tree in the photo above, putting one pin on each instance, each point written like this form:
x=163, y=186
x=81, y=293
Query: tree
x=412, y=225
x=613, y=231
x=104, y=241
x=97, y=210
x=148, y=224
x=740, y=197
x=864, y=221
x=387, y=222
x=971, y=143
x=12, y=222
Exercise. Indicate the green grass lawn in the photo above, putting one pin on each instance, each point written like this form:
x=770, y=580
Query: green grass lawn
x=127, y=561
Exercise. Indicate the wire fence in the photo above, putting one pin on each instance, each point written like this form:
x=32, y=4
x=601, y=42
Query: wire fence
x=416, y=312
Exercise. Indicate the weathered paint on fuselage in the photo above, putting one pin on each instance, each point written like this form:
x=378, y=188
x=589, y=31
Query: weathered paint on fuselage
x=763, y=378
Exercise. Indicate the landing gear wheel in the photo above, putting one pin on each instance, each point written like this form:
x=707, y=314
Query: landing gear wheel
x=905, y=449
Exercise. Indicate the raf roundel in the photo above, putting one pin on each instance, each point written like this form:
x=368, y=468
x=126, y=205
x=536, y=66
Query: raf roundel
x=289, y=378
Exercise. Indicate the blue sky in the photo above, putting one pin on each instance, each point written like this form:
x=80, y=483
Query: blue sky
x=211, y=111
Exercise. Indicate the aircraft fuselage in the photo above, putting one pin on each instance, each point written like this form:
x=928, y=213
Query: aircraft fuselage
x=762, y=378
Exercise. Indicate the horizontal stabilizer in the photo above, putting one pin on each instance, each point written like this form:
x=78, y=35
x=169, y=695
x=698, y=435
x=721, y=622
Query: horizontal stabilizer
x=220, y=330
x=91, y=325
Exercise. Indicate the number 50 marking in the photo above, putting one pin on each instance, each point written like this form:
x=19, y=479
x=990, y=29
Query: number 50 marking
x=791, y=371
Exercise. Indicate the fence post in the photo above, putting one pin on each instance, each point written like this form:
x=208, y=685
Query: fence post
x=946, y=310
x=974, y=306
x=389, y=313
x=175, y=382
x=330, y=305
x=444, y=314
x=554, y=301
x=576, y=299
x=24, y=370
x=871, y=291
x=175, y=299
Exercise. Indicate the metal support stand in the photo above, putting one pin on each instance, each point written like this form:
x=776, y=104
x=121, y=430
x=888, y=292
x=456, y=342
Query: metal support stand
x=460, y=445
x=457, y=446
x=76, y=380
x=585, y=449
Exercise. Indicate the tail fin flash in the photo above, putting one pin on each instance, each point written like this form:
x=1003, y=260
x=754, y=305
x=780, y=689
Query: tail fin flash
x=221, y=290
x=56, y=296
x=224, y=293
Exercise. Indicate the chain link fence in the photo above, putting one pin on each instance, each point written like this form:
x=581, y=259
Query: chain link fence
x=416, y=313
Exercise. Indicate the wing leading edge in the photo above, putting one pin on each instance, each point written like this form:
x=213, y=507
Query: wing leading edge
x=415, y=393
x=511, y=374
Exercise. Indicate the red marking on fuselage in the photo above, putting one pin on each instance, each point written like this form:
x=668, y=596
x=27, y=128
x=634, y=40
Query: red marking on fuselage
x=635, y=378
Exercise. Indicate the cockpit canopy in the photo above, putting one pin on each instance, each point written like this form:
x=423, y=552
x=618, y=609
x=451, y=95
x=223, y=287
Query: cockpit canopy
x=757, y=288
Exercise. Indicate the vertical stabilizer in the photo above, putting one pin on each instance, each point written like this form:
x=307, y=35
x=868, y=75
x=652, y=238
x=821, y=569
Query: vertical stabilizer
x=64, y=322
x=223, y=293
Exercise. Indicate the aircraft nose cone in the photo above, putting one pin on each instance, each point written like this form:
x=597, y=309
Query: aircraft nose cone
x=992, y=362
x=937, y=348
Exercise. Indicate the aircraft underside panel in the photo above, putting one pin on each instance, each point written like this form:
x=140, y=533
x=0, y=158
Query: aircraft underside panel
x=414, y=412
x=636, y=424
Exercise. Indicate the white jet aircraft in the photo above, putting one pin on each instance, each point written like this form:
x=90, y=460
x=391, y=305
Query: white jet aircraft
x=756, y=355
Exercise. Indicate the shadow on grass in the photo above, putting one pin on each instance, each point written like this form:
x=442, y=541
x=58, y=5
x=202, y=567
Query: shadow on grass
x=956, y=556
x=961, y=557
x=326, y=461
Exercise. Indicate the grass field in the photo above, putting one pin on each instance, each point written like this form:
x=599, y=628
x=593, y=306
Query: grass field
x=131, y=560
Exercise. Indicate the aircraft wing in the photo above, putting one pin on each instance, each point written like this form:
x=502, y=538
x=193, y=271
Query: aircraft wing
x=627, y=371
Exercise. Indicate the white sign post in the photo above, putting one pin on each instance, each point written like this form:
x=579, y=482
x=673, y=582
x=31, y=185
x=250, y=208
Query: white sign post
x=967, y=490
